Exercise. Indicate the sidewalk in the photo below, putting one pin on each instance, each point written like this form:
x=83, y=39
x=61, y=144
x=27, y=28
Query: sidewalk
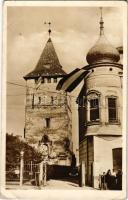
x=62, y=184
x=51, y=184
x=16, y=186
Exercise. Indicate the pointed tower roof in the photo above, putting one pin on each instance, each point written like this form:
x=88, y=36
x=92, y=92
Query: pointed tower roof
x=102, y=50
x=48, y=64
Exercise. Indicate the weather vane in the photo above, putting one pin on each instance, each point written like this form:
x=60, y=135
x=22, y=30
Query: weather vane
x=101, y=22
x=49, y=30
x=101, y=11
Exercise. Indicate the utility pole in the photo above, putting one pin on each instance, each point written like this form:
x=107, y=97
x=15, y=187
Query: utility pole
x=21, y=167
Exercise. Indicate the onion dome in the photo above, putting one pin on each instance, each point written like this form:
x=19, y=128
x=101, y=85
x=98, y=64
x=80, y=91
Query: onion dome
x=102, y=51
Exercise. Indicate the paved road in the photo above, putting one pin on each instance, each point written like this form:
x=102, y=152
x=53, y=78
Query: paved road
x=51, y=184
x=60, y=184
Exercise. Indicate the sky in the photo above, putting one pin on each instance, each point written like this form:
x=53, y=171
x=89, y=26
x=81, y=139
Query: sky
x=74, y=31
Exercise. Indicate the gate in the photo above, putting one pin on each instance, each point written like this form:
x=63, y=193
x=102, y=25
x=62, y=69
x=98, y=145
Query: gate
x=31, y=173
x=12, y=172
x=35, y=173
x=26, y=173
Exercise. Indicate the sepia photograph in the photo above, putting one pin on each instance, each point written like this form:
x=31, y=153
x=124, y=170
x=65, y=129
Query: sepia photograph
x=64, y=98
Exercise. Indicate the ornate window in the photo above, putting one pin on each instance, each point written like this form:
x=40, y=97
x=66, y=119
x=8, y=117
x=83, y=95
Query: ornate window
x=93, y=111
x=112, y=109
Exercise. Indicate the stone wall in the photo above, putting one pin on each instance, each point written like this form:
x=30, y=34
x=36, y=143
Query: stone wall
x=47, y=103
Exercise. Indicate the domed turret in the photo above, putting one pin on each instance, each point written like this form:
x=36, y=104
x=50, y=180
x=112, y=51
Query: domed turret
x=102, y=51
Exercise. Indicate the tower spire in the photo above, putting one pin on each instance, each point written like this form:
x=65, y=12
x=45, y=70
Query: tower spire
x=49, y=30
x=101, y=22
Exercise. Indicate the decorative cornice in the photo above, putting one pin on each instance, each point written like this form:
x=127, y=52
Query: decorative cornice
x=103, y=64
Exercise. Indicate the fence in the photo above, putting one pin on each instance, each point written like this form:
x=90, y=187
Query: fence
x=23, y=172
x=38, y=173
x=13, y=172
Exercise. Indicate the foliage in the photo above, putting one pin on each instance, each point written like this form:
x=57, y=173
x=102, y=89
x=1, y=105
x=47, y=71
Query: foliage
x=14, y=145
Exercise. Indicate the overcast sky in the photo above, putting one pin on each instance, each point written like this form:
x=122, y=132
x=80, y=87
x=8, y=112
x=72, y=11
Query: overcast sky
x=74, y=31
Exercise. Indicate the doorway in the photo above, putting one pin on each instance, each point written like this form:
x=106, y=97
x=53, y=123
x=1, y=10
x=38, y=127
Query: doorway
x=117, y=158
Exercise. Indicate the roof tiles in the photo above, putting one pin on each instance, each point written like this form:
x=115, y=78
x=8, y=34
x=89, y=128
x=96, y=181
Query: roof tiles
x=48, y=64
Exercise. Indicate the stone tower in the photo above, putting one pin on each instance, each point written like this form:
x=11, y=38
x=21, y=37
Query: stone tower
x=100, y=129
x=47, y=117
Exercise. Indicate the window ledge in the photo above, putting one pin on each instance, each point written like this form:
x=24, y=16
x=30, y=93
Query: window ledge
x=93, y=123
x=113, y=123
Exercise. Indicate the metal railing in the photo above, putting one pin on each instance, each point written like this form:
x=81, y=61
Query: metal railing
x=23, y=172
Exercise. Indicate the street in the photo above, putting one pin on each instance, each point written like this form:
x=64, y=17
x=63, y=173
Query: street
x=51, y=184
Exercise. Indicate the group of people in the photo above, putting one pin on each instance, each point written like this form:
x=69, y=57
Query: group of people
x=111, y=180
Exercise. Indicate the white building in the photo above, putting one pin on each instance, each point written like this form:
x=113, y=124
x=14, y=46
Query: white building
x=100, y=116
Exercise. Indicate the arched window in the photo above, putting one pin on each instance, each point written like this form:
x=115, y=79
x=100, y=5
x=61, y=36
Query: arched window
x=94, y=109
x=93, y=102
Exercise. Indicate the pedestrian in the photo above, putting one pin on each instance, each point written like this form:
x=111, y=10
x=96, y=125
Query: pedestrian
x=119, y=180
x=73, y=164
x=113, y=172
x=99, y=181
x=108, y=179
x=113, y=180
x=103, y=181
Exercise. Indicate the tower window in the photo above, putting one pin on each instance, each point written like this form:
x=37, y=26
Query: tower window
x=94, y=109
x=52, y=100
x=112, y=109
x=55, y=80
x=39, y=100
x=42, y=81
x=47, y=122
x=49, y=80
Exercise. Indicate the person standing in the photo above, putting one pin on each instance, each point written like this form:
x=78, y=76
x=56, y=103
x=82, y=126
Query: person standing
x=108, y=179
x=119, y=180
x=113, y=180
x=73, y=164
x=103, y=181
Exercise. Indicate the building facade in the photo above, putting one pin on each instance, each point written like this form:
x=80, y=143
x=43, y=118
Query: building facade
x=100, y=111
x=47, y=113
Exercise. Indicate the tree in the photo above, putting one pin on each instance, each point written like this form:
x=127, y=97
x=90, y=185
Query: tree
x=14, y=145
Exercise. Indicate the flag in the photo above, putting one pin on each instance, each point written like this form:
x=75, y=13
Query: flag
x=61, y=82
x=72, y=80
